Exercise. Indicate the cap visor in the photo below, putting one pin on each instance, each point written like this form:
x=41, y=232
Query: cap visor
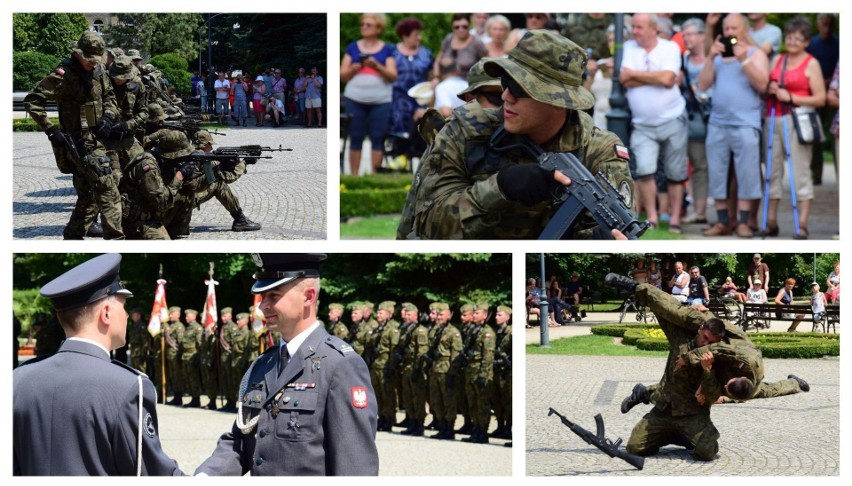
x=563, y=96
x=265, y=285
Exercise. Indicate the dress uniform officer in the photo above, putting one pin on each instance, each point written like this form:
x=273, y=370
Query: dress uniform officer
x=76, y=413
x=306, y=405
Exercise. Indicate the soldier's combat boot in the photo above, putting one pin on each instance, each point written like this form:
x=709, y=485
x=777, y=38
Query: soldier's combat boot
x=448, y=433
x=405, y=423
x=211, y=405
x=620, y=282
x=176, y=401
x=802, y=383
x=242, y=223
x=466, y=427
x=638, y=395
x=96, y=230
x=433, y=425
x=194, y=403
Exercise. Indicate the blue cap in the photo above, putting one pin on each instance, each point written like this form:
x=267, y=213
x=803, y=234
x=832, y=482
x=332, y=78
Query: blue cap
x=88, y=282
x=277, y=269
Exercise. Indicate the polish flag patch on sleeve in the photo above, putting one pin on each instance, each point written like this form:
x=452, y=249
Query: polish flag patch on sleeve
x=359, y=396
x=622, y=152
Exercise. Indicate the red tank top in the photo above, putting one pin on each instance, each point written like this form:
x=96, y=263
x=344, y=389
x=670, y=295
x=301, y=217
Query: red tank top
x=795, y=82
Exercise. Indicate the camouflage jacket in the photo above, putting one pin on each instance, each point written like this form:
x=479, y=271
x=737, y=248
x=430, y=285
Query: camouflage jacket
x=138, y=338
x=388, y=340
x=130, y=99
x=191, y=340
x=591, y=34
x=455, y=194
x=226, y=342
x=481, y=364
x=340, y=331
x=449, y=346
x=240, y=344
x=145, y=195
x=207, y=348
x=503, y=349
x=174, y=335
x=418, y=346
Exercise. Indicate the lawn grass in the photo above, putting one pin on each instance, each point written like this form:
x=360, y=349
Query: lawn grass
x=590, y=346
x=375, y=227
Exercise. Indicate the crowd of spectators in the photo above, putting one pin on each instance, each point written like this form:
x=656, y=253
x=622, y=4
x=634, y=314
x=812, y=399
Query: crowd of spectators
x=234, y=96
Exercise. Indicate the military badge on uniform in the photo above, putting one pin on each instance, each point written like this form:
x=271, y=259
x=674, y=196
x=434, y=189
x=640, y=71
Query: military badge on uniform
x=622, y=152
x=150, y=431
x=359, y=396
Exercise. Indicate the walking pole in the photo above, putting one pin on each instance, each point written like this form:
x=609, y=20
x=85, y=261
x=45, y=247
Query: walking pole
x=769, y=142
x=790, y=175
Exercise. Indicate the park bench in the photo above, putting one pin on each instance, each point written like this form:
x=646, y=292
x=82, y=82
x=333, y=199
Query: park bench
x=754, y=313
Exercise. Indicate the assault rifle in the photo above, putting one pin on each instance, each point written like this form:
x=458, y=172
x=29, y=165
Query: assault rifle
x=232, y=155
x=600, y=441
x=190, y=126
x=587, y=192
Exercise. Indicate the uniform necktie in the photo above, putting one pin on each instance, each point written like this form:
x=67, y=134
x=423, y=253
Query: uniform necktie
x=285, y=358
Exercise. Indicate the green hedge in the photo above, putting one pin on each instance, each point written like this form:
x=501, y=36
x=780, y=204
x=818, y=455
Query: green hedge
x=28, y=125
x=801, y=345
x=175, y=69
x=28, y=68
x=373, y=194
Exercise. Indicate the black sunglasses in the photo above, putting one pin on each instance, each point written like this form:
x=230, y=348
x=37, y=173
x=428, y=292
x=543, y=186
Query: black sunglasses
x=514, y=88
x=493, y=98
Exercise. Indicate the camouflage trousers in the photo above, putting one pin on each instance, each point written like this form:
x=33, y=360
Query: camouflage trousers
x=479, y=402
x=174, y=372
x=502, y=400
x=209, y=381
x=460, y=390
x=145, y=231
x=414, y=386
x=442, y=400
x=385, y=396
x=95, y=195
x=223, y=193
x=225, y=379
x=139, y=361
x=659, y=428
x=191, y=374
x=777, y=389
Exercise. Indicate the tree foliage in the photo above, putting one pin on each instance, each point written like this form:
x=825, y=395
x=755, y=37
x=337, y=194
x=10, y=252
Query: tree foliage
x=174, y=69
x=29, y=67
x=436, y=26
x=417, y=278
x=48, y=33
x=157, y=33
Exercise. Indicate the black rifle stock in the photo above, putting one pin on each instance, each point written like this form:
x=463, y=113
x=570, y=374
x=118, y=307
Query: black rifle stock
x=587, y=192
x=231, y=156
x=600, y=441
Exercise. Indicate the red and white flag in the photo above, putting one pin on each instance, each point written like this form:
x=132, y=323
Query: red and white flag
x=160, y=310
x=258, y=321
x=211, y=313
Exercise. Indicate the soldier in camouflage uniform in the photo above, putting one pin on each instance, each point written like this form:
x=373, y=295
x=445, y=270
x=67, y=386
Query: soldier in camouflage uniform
x=445, y=348
x=130, y=96
x=358, y=326
x=240, y=346
x=502, y=399
x=208, y=360
x=414, y=384
x=394, y=369
x=383, y=340
x=464, y=189
x=458, y=368
x=230, y=386
x=338, y=328
x=139, y=339
x=589, y=31
x=190, y=359
x=480, y=376
x=87, y=111
x=335, y=312
x=433, y=329
x=174, y=335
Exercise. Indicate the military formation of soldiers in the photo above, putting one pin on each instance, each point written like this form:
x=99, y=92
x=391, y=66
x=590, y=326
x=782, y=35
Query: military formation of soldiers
x=457, y=368
x=198, y=360
x=126, y=164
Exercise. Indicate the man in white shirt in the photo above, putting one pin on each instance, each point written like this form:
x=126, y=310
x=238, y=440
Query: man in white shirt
x=649, y=72
x=223, y=90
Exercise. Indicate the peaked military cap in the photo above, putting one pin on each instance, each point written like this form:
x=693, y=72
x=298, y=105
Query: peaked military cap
x=91, y=47
x=173, y=144
x=86, y=283
x=478, y=78
x=122, y=68
x=549, y=68
x=276, y=269
x=190, y=311
x=387, y=305
x=335, y=306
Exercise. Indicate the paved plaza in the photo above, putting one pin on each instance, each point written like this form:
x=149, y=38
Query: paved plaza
x=795, y=435
x=285, y=194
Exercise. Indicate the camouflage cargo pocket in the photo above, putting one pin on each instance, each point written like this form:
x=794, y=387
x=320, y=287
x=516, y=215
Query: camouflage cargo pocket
x=63, y=160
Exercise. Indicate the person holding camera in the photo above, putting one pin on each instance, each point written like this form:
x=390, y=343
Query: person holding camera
x=313, y=97
x=738, y=71
x=368, y=68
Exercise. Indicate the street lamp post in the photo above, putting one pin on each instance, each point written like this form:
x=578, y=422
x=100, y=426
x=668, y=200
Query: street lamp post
x=209, y=42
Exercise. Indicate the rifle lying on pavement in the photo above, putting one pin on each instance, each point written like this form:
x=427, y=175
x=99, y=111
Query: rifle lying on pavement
x=232, y=155
x=586, y=192
x=600, y=441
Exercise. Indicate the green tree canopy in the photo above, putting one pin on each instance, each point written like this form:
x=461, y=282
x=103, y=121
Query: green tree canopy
x=157, y=33
x=47, y=33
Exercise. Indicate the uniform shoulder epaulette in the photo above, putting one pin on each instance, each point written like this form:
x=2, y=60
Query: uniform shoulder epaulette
x=338, y=344
x=128, y=368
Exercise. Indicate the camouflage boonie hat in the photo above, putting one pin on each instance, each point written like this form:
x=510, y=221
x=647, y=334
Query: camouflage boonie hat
x=115, y=51
x=203, y=138
x=173, y=145
x=243, y=315
x=481, y=306
x=122, y=68
x=466, y=308
x=335, y=306
x=504, y=308
x=408, y=306
x=91, y=47
x=549, y=68
x=387, y=305
x=478, y=78
x=174, y=308
x=134, y=55
x=227, y=310
x=156, y=113
x=440, y=306
x=190, y=311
